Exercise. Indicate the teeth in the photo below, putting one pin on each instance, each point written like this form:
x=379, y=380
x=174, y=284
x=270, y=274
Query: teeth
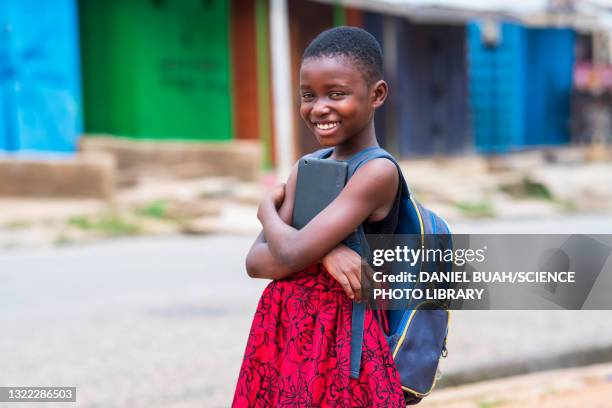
x=326, y=126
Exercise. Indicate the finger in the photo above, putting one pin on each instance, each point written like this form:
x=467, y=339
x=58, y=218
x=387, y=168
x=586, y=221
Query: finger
x=369, y=275
x=355, y=281
x=344, y=282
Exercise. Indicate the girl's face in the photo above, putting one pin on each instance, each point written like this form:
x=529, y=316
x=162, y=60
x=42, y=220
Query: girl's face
x=336, y=102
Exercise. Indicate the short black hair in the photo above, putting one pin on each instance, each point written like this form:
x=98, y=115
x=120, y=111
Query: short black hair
x=353, y=43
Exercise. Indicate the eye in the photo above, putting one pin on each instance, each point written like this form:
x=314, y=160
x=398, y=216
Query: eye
x=336, y=94
x=307, y=96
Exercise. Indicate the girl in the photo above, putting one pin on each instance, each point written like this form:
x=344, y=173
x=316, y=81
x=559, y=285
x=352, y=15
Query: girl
x=298, y=349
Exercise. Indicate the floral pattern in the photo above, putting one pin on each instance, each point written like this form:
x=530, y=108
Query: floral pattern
x=298, y=351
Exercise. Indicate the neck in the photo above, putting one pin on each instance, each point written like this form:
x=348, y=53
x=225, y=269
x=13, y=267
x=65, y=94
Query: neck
x=362, y=140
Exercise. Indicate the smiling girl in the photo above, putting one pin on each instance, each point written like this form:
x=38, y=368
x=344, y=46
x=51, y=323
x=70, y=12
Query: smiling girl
x=298, y=350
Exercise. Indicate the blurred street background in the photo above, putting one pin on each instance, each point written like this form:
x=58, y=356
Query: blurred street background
x=138, y=136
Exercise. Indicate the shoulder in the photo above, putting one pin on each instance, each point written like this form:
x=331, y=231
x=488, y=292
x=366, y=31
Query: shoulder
x=380, y=169
x=377, y=178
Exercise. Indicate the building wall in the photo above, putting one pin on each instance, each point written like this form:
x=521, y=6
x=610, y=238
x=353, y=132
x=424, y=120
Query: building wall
x=549, y=78
x=244, y=74
x=157, y=69
x=251, y=76
x=40, y=102
x=521, y=87
x=264, y=81
x=425, y=65
x=432, y=86
x=497, y=90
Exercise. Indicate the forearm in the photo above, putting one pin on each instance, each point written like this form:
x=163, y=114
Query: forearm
x=260, y=262
x=283, y=240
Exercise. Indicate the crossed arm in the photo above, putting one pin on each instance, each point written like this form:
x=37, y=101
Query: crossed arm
x=285, y=250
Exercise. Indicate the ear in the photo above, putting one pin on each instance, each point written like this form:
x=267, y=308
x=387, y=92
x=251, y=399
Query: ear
x=379, y=93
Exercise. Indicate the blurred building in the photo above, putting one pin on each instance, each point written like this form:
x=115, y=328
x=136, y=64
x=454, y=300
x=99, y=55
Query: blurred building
x=468, y=76
x=426, y=66
x=40, y=84
x=157, y=69
x=176, y=70
x=520, y=85
x=465, y=76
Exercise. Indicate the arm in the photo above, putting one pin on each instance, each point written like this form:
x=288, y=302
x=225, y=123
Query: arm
x=260, y=263
x=373, y=186
x=342, y=263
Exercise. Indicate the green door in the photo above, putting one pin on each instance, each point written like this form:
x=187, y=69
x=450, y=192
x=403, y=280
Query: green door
x=157, y=69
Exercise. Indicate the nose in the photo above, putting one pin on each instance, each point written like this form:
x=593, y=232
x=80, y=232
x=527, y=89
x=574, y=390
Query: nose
x=321, y=107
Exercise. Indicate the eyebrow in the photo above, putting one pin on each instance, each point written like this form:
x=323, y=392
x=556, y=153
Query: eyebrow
x=328, y=85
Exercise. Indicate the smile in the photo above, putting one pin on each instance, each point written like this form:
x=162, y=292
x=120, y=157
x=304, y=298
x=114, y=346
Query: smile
x=327, y=126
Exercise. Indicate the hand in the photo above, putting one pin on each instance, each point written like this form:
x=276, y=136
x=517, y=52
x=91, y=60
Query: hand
x=275, y=196
x=344, y=265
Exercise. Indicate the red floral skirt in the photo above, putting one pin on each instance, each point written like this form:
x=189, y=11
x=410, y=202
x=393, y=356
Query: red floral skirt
x=298, y=351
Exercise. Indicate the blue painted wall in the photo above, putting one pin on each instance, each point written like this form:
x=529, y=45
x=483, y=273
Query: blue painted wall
x=497, y=91
x=520, y=89
x=550, y=53
x=39, y=76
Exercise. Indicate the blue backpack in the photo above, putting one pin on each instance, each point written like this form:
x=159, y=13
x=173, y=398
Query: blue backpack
x=417, y=332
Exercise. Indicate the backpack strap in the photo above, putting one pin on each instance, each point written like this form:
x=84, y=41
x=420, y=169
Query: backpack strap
x=357, y=240
x=321, y=153
x=358, y=314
